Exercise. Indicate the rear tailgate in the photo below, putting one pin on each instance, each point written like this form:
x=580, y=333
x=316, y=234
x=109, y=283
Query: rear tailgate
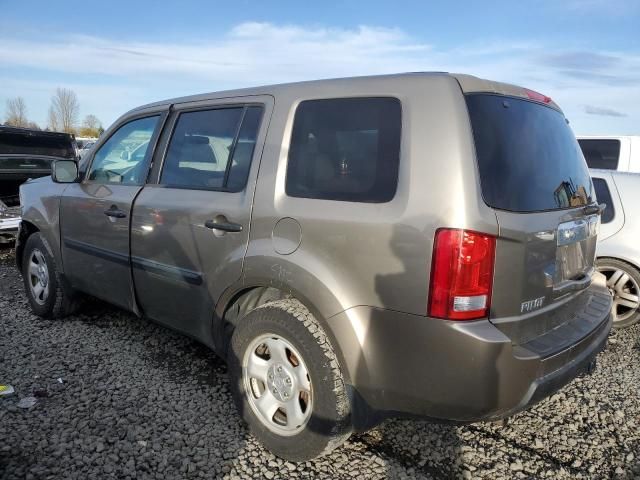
x=534, y=176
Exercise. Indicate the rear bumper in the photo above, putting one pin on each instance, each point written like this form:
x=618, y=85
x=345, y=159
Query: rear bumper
x=463, y=372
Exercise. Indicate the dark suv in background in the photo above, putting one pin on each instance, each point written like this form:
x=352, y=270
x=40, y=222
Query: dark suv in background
x=25, y=154
x=417, y=244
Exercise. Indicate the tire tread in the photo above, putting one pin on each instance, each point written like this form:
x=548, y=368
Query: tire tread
x=295, y=308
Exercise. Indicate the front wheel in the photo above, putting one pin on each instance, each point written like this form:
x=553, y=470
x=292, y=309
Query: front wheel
x=48, y=296
x=623, y=281
x=287, y=381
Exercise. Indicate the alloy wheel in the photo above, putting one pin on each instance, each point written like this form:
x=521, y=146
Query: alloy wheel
x=38, y=277
x=625, y=292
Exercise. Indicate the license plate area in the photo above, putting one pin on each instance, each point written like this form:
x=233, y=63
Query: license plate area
x=575, y=251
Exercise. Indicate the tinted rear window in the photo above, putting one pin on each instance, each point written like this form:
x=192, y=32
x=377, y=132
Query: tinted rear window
x=345, y=149
x=19, y=143
x=528, y=158
x=604, y=196
x=601, y=153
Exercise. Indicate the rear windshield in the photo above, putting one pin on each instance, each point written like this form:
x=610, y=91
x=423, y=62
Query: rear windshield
x=22, y=143
x=528, y=157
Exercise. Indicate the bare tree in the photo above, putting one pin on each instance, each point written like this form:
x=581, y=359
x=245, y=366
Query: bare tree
x=91, y=127
x=92, y=122
x=52, y=123
x=17, y=112
x=63, y=113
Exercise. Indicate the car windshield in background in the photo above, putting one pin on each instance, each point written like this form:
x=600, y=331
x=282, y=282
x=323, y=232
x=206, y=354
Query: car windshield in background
x=17, y=142
x=529, y=160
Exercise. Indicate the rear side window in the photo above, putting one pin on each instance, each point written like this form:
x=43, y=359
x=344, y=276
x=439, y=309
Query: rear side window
x=604, y=196
x=212, y=149
x=345, y=149
x=602, y=153
x=528, y=158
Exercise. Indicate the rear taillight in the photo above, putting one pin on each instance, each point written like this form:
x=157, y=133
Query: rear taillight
x=461, y=274
x=538, y=97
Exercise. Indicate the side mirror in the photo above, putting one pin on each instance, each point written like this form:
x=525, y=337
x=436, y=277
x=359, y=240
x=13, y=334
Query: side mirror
x=64, y=171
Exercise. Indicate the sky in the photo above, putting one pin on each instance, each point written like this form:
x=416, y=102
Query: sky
x=117, y=55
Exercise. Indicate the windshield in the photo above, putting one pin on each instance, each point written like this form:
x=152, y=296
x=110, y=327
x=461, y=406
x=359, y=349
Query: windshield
x=528, y=157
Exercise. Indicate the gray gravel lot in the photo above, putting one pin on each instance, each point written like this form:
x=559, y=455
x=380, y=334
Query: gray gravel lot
x=140, y=401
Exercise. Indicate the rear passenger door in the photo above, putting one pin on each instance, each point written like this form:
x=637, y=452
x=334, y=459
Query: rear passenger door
x=190, y=224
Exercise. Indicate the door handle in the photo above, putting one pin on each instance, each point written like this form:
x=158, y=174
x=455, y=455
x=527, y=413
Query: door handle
x=223, y=225
x=115, y=212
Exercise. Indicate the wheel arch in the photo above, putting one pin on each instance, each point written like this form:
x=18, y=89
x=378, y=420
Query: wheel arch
x=237, y=302
x=27, y=229
x=621, y=258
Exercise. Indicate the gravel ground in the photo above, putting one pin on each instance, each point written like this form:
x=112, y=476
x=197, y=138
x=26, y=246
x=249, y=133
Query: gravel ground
x=139, y=401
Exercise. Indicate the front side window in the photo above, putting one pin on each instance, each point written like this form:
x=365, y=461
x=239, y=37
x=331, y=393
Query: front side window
x=121, y=159
x=345, y=149
x=212, y=149
x=604, y=196
x=601, y=153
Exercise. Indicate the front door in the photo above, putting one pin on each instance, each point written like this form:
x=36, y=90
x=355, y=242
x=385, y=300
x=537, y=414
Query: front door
x=190, y=227
x=95, y=213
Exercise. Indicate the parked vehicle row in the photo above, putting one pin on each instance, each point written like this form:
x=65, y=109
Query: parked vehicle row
x=416, y=244
x=618, y=245
x=615, y=167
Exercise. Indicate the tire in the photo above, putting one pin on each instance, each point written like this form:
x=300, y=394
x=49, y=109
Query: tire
x=324, y=420
x=55, y=300
x=623, y=281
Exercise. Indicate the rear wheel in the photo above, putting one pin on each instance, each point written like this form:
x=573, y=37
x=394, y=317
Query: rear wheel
x=287, y=382
x=47, y=294
x=623, y=281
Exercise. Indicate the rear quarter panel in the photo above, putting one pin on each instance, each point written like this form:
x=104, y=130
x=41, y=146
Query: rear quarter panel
x=378, y=255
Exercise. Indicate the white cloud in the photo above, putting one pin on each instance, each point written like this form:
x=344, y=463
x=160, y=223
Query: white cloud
x=254, y=53
x=605, y=112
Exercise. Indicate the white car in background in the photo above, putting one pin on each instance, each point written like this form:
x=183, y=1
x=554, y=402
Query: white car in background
x=621, y=153
x=618, y=249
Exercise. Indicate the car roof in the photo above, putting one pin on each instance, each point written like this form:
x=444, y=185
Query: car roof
x=468, y=84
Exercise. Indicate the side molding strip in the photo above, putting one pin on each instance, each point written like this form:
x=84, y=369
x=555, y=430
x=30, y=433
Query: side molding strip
x=168, y=271
x=97, y=251
x=173, y=273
